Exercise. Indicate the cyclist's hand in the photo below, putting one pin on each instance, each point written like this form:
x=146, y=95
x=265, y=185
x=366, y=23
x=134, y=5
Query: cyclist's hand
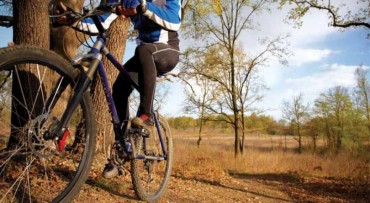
x=130, y=3
x=58, y=9
x=122, y=11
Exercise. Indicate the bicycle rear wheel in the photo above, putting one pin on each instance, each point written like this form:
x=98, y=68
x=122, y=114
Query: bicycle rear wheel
x=150, y=177
x=35, y=86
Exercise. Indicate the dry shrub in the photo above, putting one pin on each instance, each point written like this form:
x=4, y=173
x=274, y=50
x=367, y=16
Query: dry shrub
x=195, y=163
x=215, y=157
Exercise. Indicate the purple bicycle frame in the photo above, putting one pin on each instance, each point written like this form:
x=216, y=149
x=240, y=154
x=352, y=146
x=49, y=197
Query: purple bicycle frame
x=108, y=92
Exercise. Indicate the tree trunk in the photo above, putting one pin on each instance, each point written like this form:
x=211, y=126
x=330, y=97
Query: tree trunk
x=234, y=105
x=65, y=40
x=116, y=44
x=314, y=140
x=243, y=131
x=200, y=133
x=299, y=139
x=30, y=26
x=31, y=23
x=237, y=136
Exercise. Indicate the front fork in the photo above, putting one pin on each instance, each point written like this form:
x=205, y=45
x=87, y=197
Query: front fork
x=84, y=80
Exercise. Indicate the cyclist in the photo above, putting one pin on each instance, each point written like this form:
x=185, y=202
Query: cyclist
x=157, y=53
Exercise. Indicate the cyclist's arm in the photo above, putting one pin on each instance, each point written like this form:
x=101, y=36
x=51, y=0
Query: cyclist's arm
x=168, y=17
x=87, y=25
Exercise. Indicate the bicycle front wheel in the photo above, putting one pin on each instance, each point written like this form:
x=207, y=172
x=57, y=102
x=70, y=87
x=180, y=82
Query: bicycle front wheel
x=151, y=172
x=35, y=86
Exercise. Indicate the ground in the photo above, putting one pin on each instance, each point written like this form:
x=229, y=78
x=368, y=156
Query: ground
x=240, y=188
x=233, y=187
x=229, y=186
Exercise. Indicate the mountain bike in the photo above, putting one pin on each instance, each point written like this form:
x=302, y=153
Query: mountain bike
x=47, y=126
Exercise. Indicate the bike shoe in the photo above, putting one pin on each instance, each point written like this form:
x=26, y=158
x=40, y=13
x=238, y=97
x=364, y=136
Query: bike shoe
x=110, y=171
x=147, y=124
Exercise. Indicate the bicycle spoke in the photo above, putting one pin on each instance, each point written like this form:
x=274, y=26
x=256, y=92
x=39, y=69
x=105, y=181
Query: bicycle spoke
x=21, y=90
x=150, y=176
x=54, y=95
x=33, y=99
x=41, y=80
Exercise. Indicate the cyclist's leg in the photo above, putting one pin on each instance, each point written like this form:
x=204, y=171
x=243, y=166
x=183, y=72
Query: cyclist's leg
x=149, y=61
x=155, y=59
x=151, y=177
x=122, y=88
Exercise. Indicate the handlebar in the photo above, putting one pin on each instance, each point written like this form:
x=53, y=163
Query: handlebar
x=101, y=9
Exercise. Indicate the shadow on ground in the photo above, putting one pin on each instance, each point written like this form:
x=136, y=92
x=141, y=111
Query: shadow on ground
x=117, y=188
x=313, y=189
x=252, y=190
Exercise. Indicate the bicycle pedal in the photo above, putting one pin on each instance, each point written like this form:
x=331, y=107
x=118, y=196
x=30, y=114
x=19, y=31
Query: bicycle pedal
x=140, y=131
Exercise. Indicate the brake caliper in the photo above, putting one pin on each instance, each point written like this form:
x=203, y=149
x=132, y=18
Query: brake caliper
x=62, y=142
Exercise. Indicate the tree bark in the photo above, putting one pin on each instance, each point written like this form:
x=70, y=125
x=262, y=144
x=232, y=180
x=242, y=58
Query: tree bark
x=200, y=132
x=31, y=26
x=31, y=23
x=65, y=40
x=116, y=44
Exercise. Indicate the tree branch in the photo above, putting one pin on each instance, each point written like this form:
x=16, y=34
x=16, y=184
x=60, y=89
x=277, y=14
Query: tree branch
x=335, y=22
x=6, y=21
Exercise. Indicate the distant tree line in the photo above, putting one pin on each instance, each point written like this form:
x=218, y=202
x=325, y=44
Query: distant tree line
x=212, y=123
x=339, y=116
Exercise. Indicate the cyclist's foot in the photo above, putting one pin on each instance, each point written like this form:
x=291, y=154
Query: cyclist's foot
x=144, y=122
x=110, y=170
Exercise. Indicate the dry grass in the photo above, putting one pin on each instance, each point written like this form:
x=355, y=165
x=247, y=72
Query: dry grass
x=263, y=155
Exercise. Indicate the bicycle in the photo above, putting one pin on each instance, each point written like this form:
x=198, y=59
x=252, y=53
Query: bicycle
x=49, y=127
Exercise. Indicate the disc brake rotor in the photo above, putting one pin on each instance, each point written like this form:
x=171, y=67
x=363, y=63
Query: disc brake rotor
x=36, y=130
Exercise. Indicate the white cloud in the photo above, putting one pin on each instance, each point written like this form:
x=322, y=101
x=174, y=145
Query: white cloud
x=313, y=30
x=302, y=56
x=330, y=76
x=311, y=86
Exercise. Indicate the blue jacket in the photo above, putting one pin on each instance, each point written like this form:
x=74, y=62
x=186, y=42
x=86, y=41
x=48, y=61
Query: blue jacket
x=159, y=23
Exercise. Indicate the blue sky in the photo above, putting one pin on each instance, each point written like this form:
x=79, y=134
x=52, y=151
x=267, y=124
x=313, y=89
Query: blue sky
x=323, y=57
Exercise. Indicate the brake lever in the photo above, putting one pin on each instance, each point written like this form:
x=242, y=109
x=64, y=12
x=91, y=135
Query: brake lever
x=61, y=15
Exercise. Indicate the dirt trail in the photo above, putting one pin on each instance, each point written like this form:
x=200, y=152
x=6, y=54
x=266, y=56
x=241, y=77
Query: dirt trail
x=242, y=187
x=187, y=190
x=267, y=188
x=262, y=187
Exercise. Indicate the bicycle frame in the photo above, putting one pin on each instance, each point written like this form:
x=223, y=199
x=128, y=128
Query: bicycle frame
x=84, y=80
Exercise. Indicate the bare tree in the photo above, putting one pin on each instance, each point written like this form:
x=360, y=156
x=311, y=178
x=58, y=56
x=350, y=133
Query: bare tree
x=362, y=92
x=199, y=88
x=340, y=14
x=296, y=113
x=220, y=24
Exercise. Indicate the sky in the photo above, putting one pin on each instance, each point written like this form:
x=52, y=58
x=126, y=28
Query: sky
x=322, y=57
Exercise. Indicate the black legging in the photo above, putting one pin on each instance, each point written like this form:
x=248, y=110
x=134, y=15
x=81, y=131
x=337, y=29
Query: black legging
x=149, y=61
